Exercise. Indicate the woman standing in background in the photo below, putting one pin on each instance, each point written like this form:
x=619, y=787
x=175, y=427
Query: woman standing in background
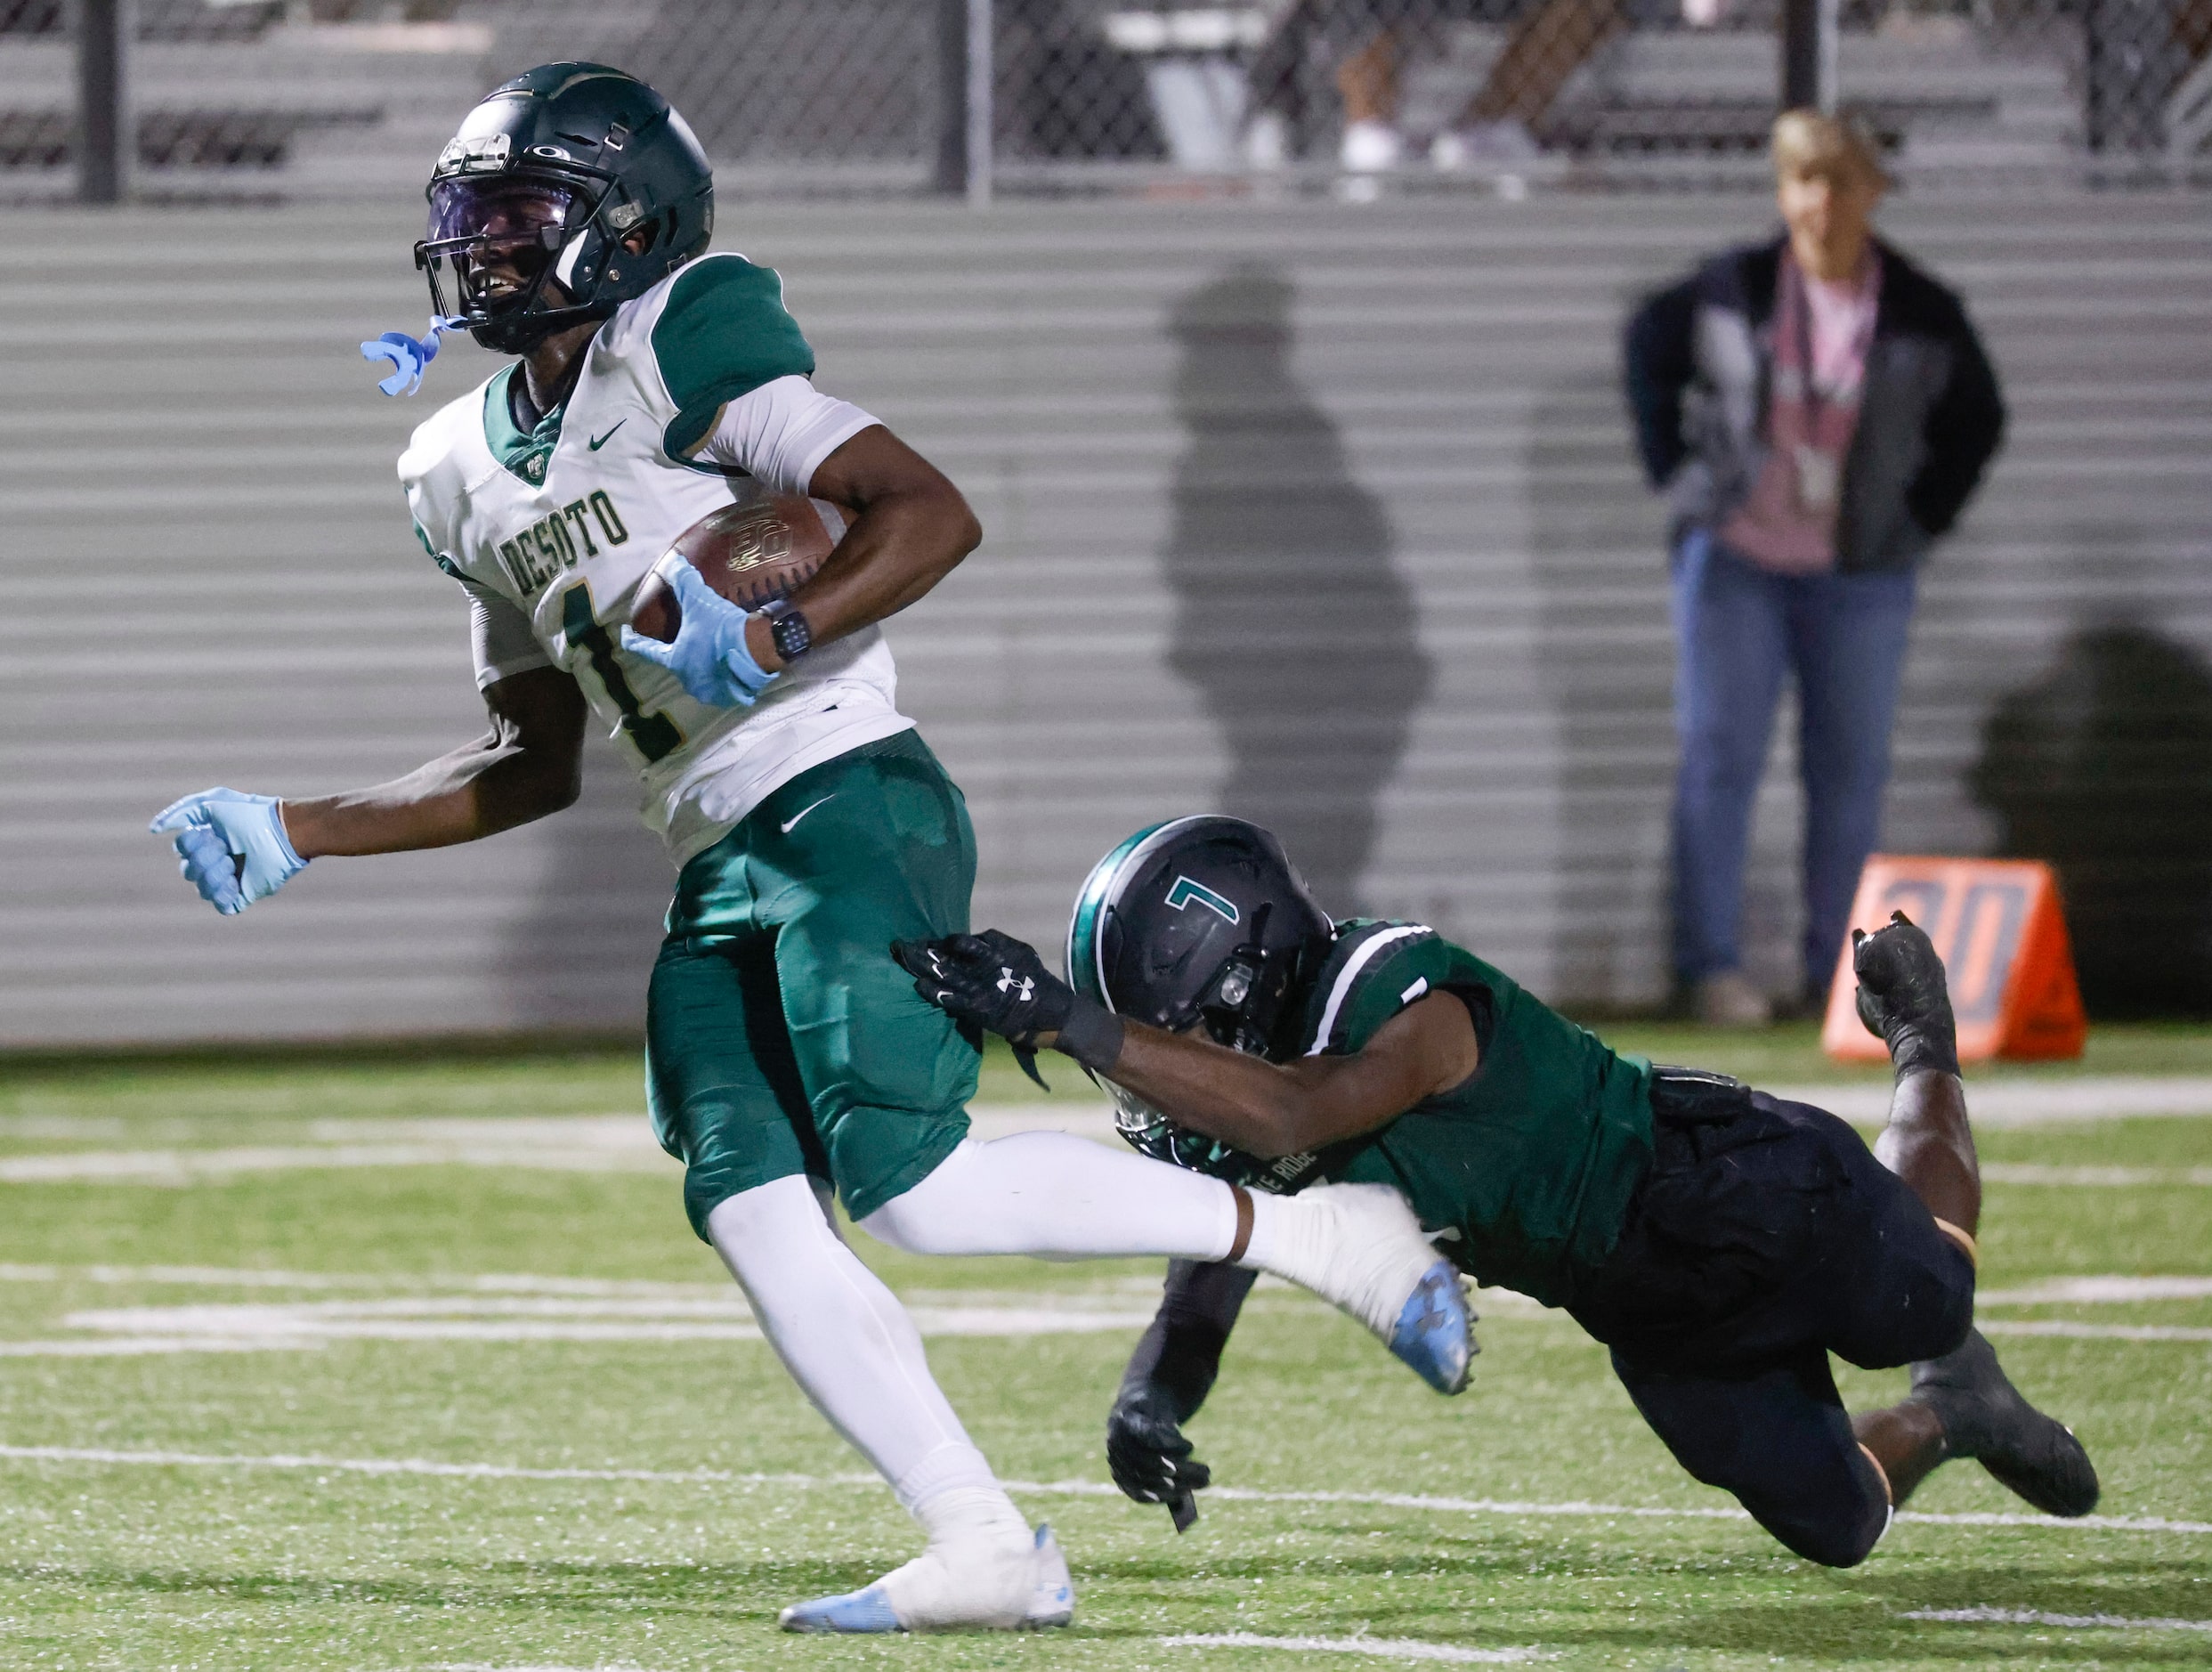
x=1818, y=410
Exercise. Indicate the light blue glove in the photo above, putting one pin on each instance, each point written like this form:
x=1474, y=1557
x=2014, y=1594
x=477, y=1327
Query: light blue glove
x=709, y=655
x=233, y=847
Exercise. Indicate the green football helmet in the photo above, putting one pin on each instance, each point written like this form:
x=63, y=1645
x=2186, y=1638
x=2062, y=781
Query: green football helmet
x=571, y=190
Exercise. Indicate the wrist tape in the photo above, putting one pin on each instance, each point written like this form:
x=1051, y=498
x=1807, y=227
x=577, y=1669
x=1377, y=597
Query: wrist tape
x=1925, y=1046
x=1092, y=1035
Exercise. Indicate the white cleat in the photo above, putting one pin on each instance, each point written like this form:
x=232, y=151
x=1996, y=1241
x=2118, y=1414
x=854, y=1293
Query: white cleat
x=976, y=1587
x=1360, y=1247
x=1052, y=1601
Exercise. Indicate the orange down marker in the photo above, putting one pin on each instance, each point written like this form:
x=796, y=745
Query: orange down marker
x=1997, y=926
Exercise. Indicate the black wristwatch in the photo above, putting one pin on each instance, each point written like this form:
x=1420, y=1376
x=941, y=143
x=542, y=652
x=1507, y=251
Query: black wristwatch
x=788, y=628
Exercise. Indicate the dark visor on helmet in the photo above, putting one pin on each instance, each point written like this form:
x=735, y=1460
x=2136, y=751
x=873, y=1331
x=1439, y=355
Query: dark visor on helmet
x=502, y=237
x=501, y=211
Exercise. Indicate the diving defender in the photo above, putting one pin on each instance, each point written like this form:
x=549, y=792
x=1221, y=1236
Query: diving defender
x=1722, y=1242
x=652, y=382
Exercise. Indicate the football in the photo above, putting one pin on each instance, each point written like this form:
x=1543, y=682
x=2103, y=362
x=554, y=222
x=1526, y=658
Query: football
x=750, y=552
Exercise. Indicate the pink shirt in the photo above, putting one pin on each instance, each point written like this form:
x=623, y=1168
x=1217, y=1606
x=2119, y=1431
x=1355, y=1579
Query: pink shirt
x=1788, y=522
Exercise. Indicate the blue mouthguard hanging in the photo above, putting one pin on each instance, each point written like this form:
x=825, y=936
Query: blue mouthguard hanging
x=408, y=355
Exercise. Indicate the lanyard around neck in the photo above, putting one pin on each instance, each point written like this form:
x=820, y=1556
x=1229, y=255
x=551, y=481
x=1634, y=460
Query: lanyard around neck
x=1801, y=300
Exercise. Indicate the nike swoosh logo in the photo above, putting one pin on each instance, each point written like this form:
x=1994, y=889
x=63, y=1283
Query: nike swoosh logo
x=597, y=442
x=802, y=813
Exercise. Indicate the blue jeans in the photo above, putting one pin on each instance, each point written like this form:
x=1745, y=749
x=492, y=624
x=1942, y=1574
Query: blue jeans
x=1737, y=629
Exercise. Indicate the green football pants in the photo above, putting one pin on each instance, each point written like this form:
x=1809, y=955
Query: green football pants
x=781, y=1037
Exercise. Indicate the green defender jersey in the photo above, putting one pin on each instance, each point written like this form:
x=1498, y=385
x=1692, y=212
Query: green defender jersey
x=1526, y=1170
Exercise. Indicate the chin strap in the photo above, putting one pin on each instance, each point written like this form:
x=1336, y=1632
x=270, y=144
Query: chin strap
x=409, y=356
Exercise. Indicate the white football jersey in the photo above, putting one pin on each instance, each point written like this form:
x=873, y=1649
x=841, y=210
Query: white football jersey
x=693, y=396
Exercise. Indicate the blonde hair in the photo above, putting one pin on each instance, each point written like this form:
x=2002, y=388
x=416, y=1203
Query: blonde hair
x=1814, y=142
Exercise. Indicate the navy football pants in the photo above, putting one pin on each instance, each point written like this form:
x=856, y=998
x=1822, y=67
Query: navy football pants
x=1767, y=1237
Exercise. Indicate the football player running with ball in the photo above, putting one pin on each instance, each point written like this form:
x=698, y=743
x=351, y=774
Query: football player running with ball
x=1722, y=1242
x=654, y=385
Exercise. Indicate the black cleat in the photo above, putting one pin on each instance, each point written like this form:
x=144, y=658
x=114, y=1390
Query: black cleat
x=1984, y=1417
x=1903, y=997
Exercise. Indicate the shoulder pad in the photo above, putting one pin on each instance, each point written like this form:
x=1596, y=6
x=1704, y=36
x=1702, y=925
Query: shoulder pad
x=1373, y=971
x=720, y=331
x=436, y=468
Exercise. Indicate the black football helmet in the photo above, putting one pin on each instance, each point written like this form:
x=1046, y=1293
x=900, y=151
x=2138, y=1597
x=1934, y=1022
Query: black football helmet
x=531, y=200
x=1200, y=921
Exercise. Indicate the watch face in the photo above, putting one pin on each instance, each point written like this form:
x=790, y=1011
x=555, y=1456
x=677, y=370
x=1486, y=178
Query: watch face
x=791, y=634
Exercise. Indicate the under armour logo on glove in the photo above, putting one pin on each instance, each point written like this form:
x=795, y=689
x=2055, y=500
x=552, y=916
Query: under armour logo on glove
x=999, y=984
x=990, y=980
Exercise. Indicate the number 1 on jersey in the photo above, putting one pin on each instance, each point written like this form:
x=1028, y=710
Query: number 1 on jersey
x=655, y=735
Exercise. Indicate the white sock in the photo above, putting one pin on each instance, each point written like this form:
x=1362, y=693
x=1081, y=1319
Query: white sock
x=1273, y=1235
x=1285, y=1240
x=1059, y=1197
x=854, y=1353
x=961, y=1513
x=1357, y=1246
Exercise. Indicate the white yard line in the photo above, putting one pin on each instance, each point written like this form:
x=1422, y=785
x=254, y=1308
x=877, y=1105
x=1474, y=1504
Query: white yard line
x=2011, y=1103
x=1042, y=1489
x=422, y=1466
x=2039, y=1617
x=507, y=1307
x=2093, y=1178
x=255, y=1277
x=529, y=1283
x=2099, y=1290
x=490, y=1666
x=138, y=1346
x=1493, y=1506
x=1388, y=1648
x=429, y=1287
x=578, y=1143
x=715, y=1317
x=495, y=1309
x=607, y=1143
x=2097, y=1332
x=192, y=1166
x=498, y=1666
x=69, y=1128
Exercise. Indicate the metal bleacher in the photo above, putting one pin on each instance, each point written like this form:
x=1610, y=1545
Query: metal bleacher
x=322, y=100
x=1692, y=106
x=244, y=102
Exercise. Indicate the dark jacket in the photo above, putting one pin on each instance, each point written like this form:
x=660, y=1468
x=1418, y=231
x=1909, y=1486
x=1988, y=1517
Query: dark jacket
x=1699, y=357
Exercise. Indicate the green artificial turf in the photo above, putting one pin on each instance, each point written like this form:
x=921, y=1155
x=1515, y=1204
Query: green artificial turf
x=519, y=1075
x=132, y=1563
x=1790, y=1052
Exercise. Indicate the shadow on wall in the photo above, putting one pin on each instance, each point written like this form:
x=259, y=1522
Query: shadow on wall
x=580, y=956
x=2103, y=766
x=1605, y=662
x=1292, y=622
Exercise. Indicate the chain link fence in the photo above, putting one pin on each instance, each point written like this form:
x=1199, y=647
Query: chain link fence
x=315, y=98
x=222, y=96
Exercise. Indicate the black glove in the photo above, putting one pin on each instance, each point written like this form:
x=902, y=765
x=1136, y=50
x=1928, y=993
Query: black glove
x=1000, y=984
x=1903, y=997
x=1149, y=1457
